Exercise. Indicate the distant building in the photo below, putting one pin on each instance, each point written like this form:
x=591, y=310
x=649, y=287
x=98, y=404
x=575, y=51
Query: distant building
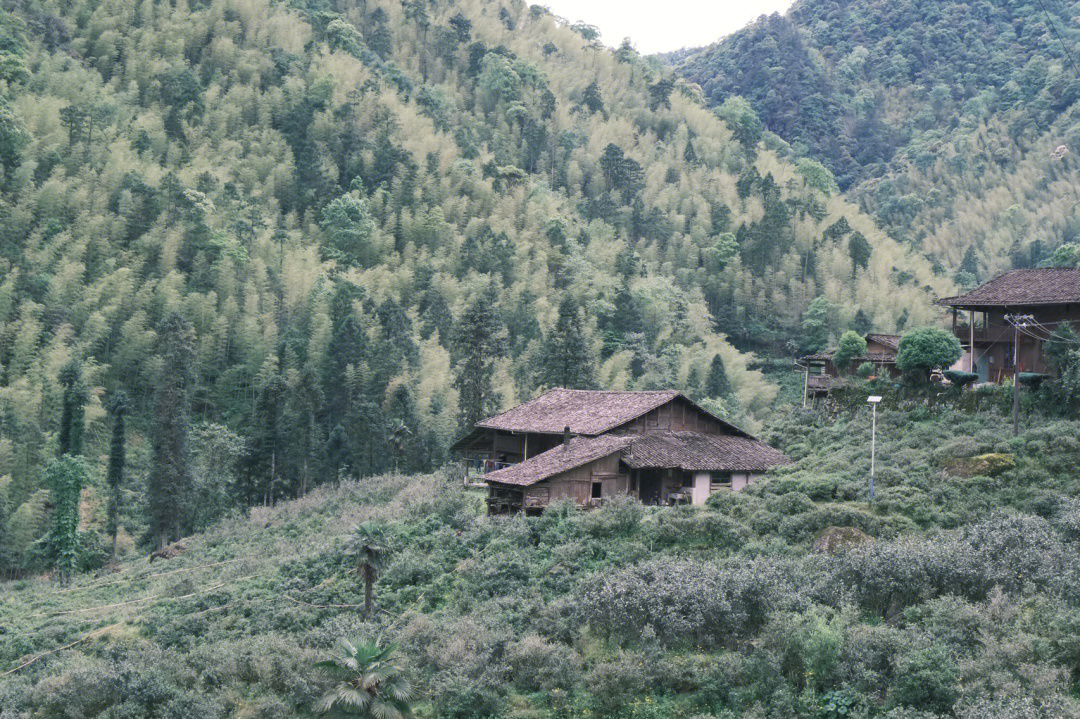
x=994, y=347
x=820, y=370
x=591, y=445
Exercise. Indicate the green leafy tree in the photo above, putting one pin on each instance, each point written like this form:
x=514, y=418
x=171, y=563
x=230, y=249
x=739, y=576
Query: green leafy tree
x=816, y=324
x=114, y=476
x=743, y=121
x=348, y=228
x=369, y=683
x=1058, y=347
x=369, y=550
x=169, y=483
x=925, y=348
x=851, y=345
x=65, y=478
x=817, y=176
x=566, y=359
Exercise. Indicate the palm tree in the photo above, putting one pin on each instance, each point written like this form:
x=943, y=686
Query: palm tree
x=368, y=548
x=370, y=683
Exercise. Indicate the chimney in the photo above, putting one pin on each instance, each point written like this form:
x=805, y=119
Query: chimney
x=566, y=438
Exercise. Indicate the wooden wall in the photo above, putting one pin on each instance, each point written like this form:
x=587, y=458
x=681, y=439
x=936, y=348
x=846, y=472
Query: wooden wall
x=577, y=483
x=677, y=415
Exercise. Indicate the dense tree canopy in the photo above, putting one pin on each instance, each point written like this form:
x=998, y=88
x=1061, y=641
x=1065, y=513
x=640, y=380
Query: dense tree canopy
x=309, y=242
x=952, y=121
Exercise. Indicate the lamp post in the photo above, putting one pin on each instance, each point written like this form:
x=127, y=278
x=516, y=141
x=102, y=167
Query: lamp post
x=873, y=440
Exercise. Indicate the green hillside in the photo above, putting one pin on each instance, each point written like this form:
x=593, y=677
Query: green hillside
x=313, y=241
x=964, y=605
x=941, y=119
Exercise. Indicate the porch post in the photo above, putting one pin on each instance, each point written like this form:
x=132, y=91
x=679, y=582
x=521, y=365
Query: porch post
x=971, y=341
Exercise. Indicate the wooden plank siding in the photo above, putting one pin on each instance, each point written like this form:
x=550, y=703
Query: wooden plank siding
x=677, y=415
x=577, y=483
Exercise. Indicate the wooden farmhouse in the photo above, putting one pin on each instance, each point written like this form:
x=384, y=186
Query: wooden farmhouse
x=996, y=348
x=591, y=445
x=820, y=370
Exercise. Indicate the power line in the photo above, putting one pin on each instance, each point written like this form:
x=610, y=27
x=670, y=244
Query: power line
x=1053, y=28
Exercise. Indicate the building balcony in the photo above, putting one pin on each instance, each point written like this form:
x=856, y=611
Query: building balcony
x=818, y=382
x=985, y=335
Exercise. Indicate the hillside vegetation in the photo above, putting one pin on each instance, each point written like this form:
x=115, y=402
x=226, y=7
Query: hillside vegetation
x=961, y=601
x=315, y=240
x=943, y=120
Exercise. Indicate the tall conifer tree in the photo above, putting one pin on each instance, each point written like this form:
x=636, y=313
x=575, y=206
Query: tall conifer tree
x=480, y=342
x=567, y=360
x=169, y=485
x=115, y=475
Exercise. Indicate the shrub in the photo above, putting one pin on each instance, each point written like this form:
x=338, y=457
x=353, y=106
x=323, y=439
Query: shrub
x=619, y=515
x=538, y=665
x=1022, y=553
x=694, y=526
x=688, y=602
x=614, y=683
x=926, y=679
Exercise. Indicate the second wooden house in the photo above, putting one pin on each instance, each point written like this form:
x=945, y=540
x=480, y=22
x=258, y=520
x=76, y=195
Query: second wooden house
x=592, y=445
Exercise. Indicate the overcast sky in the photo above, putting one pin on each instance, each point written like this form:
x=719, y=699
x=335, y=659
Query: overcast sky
x=664, y=25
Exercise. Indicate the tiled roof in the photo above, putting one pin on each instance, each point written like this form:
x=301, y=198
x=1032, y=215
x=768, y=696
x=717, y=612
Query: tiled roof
x=1046, y=286
x=689, y=451
x=692, y=452
x=581, y=450
x=892, y=341
x=879, y=357
x=588, y=412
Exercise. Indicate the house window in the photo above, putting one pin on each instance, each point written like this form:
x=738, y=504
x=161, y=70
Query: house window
x=596, y=487
x=719, y=480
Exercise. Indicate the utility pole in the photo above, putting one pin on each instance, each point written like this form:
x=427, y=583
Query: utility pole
x=873, y=441
x=1016, y=378
x=1017, y=321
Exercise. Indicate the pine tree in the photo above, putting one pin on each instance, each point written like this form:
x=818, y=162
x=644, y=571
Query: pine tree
x=592, y=100
x=261, y=468
x=404, y=431
x=860, y=251
x=114, y=477
x=479, y=340
x=861, y=323
x=717, y=384
x=689, y=156
x=169, y=484
x=566, y=359
x=73, y=415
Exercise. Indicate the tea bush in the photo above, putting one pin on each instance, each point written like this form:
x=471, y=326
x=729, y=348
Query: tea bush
x=960, y=602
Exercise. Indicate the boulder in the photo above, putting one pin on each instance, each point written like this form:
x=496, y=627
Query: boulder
x=835, y=538
x=982, y=465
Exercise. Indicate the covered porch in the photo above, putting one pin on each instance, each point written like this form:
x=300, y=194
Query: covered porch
x=669, y=486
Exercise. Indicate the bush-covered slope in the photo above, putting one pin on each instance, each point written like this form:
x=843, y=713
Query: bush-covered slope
x=964, y=604
x=942, y=119
x=344, y=229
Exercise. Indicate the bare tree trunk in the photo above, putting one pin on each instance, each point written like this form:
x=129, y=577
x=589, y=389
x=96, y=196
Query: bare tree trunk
x=369, y=586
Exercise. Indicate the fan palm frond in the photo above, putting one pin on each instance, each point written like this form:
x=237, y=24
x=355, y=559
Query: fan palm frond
x=370, y=684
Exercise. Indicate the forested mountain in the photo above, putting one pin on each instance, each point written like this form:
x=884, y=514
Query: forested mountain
x=953, y=122
x=314, y=240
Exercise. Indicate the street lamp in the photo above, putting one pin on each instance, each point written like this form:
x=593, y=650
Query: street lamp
x=873, y=400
